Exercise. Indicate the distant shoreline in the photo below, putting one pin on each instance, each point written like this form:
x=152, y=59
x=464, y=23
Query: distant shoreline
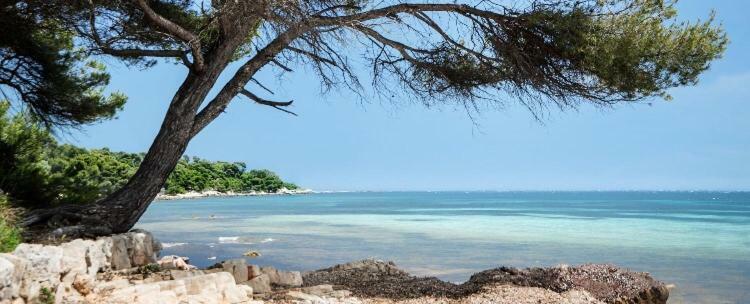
x=213, y=193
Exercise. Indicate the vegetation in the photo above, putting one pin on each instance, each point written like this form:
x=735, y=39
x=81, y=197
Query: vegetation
x=10, y=236
x=540, y=53
x=36, y=171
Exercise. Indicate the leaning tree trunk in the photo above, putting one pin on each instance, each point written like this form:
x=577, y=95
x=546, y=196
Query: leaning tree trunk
x=119, y=211
x=122, y=209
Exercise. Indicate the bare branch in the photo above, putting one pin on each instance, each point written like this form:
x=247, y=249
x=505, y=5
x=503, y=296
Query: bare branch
x=274, y=104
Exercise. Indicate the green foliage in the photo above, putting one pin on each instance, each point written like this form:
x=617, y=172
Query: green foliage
x=10, y=236
x=51, y=77
x=36, y=171
x=24, y=151
x=46, y=296
x=200, y=175
x=604, y=52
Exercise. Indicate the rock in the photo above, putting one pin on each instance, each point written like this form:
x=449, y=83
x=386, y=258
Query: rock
x=252, y=254
x=296, y=295
x=12, y=269
x=238, y=269
x=7, y=283
x=181, y=274
x=253, y=271
x=43, y=271
x=289, y=279
x=120, y=259
x=260, y=284
x=235, y=294
x=605, y=282
x=174, y=262
x=318, y=290
x=271, y=272
x=247, y=289
x=74, y=256
x=83, y=284
x=142, y=246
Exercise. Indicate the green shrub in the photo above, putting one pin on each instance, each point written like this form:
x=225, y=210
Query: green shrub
x=36, y=171
x=10, y=236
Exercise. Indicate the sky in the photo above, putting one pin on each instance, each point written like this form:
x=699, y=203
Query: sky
x=698, y=141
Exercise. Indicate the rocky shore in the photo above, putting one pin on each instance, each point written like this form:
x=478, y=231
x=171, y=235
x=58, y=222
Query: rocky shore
x=213, y=193
x=125, y=268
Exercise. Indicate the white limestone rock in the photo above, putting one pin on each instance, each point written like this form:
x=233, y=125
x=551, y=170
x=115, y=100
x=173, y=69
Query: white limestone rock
x=44, y=269
x=11, y=275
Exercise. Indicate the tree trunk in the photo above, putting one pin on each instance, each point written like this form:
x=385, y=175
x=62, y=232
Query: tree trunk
x=119, y=211
x=123, y=208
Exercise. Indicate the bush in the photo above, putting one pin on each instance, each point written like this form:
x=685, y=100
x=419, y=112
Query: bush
x=10, y=236
x=36, y=171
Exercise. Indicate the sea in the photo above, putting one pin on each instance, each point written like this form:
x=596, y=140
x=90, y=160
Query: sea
x=698, y=241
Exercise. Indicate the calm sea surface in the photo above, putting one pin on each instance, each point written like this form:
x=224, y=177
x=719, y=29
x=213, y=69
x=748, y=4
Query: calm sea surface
x=699, y=241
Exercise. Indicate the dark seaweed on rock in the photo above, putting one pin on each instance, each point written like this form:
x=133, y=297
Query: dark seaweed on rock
x=371, y=278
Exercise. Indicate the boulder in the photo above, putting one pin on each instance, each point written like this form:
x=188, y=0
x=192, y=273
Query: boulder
x=238, y=269
x=181, y=274
x=75, y=259
x=44, y=269
x=12, y=269
x=260, y=284
x=271, y=272
x=119, y=257
x=7, y=284
x=282, y=278
x=289, y=279
x=142, y=246
x=253, y=271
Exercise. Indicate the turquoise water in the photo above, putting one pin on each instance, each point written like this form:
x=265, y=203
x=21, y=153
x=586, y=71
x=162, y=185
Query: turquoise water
x=699, y=241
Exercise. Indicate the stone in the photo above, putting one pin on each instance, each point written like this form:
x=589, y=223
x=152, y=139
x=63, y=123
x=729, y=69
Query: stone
x=97, y=256
x=181, y=274
x=253, y=271
x=120, y=259
x=318, y=290
x=288, y=279
x=271, y=272
x=142, y=246
x=74, y=256
x=176, y=287
x=247, y=289
x=297, y=295
x=174, y=262
x=234, y=294
x=11, y=275
x=111, y=285
x=260, y=284
x=7, y=270
x=43, y=271
x=238, y=269
x=252, y=254
x=83, y=284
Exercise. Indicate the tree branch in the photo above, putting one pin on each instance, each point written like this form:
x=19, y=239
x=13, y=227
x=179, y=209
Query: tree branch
x=131, y=52
x=233, y=87
x=177, y=31
x=274, y=104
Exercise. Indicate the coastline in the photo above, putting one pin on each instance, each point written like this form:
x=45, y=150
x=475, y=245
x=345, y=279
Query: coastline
x=129, y=268
x=214, y=193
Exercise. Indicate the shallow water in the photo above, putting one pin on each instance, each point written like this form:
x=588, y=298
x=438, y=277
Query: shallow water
x=699, y=241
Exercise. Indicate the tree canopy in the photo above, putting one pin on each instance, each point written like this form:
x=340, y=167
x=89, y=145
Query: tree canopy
x=42, y=68
x=539, y=53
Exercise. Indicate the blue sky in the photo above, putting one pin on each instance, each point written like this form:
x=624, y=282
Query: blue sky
x=698, y=141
